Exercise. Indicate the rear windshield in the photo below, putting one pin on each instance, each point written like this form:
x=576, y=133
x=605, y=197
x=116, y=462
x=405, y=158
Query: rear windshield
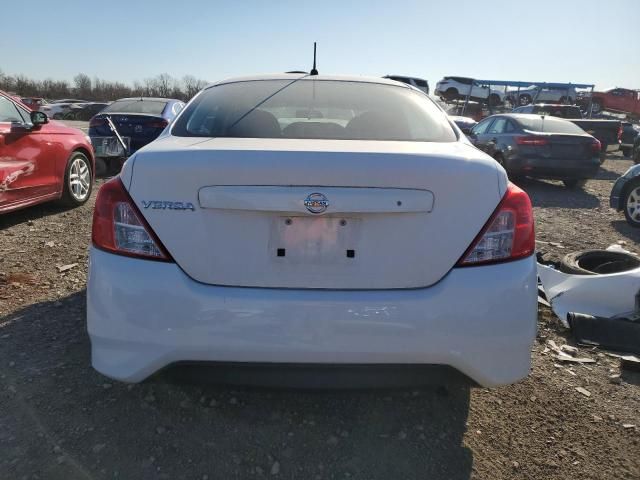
x=152, y=107
x=550, y=125
x=309, y=108
x=562, y=112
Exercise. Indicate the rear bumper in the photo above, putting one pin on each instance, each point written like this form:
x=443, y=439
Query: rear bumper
x=554, y=168
x=143, y=316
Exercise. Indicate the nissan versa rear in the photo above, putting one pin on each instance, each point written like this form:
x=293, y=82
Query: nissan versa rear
x=316, y=225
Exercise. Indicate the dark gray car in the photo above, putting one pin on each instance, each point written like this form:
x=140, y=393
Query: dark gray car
x=625, y=195
x=539, y=146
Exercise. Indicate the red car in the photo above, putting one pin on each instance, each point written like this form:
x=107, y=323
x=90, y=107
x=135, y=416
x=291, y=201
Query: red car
x=41, y=160
x=617, y=100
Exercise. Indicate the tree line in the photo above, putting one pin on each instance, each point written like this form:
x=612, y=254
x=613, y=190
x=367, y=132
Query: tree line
x=85, y=88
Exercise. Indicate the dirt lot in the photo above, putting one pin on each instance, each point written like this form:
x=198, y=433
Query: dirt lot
x=59, y=419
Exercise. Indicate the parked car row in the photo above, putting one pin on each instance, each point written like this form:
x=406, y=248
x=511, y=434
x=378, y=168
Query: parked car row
x=82, y=111
x=58, y=108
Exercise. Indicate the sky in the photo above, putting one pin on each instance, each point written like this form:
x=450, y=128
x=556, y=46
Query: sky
x=587, y=41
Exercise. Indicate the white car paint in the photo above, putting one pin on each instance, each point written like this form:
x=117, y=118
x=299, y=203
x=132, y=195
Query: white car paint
x=480, y=320
x=603, y=295
x=405, y=165
x=541, y=95
x=52, y=109
x=469, y=87
x=409, y=209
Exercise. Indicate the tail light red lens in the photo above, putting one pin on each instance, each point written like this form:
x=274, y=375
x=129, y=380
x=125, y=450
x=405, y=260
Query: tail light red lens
x=97, y=122
x=531, y=140
x=120, y=228
x=508, y=235
x=620, y=132
x=596, y=146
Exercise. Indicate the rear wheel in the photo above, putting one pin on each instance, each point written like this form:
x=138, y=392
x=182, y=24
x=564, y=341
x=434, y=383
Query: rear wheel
x=598, y=262
x=574, y=183
x=596, y=106
x=451, y=94
x=524, y=99
x=631, y=204
x=77, y=180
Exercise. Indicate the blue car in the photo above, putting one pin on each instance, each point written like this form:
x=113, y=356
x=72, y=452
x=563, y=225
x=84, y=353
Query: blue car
x=138, y=121
x=625, y=195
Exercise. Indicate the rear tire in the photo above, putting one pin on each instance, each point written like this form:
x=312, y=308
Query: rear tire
x=524, y=99
x=78, y=180
x=598, y=262
x=631, y=204
x=596, y=106
x=451, y=94
x=574, y=183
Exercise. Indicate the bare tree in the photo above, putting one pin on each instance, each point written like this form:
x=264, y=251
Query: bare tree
x=164, y=84
x=191, y=86
x=83, y=85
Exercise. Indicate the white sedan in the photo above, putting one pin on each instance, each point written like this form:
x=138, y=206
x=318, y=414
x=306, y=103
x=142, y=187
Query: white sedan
x=323, y=227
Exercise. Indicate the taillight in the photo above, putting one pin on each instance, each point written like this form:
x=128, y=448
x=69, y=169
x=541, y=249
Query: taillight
x=531, y=140
x=97, y=122
x=158, y=123
x=596, y=146
x=119, y=227
x=509, y=233
x=620, y=132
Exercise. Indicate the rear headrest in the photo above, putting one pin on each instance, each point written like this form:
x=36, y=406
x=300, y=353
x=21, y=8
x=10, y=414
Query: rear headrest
x=375, y=125
x=257, y=124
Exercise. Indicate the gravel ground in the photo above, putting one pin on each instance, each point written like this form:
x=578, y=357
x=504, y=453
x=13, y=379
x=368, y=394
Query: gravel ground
x=59, y=419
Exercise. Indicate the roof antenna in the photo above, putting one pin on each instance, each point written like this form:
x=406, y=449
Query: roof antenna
x=314, y=71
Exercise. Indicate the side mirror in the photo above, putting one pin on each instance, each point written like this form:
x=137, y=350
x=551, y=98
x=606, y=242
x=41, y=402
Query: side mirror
x=39, y=118
x=466, y=130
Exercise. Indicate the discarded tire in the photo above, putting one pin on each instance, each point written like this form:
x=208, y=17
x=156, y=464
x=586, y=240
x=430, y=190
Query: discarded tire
x=594, y=262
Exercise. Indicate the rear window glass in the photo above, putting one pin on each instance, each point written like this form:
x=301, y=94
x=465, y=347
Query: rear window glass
x=309, y=108
x=549, y=125
x=421, y=83
x=153, y=107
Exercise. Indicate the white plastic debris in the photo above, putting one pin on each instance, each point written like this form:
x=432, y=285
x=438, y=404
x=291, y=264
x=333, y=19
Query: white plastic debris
x=617, y=247
x=598, y=295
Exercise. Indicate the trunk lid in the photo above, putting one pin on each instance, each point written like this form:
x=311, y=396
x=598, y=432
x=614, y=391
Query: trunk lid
x=140, y=128
x=237, y=212
x=570, y=147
